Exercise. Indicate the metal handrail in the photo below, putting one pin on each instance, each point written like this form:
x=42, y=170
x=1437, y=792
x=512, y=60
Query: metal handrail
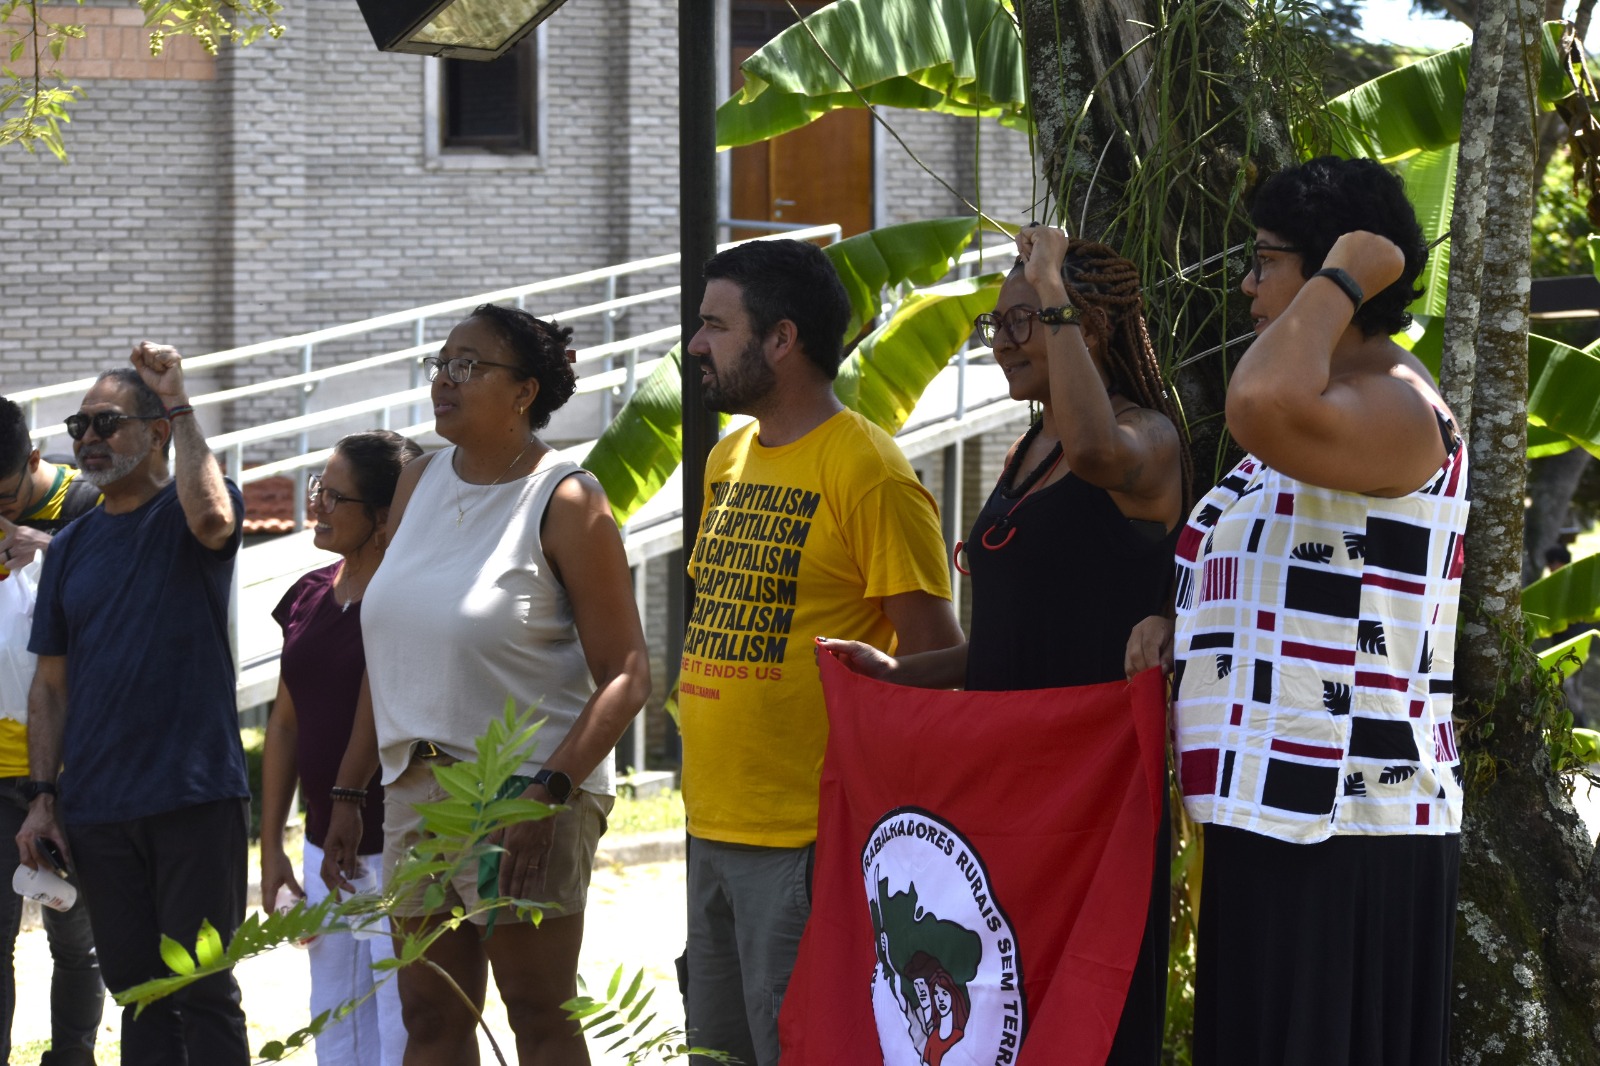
x=417, y=317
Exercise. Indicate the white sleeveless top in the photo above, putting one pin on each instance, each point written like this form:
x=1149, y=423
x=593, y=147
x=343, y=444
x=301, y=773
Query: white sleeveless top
x=461, y=616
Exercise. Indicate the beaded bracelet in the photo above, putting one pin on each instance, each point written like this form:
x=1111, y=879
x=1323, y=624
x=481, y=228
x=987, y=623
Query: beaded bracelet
x=348, y=795
x=181, y=409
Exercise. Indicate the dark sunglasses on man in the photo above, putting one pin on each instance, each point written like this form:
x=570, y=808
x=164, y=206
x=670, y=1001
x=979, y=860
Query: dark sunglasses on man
x=105, y=423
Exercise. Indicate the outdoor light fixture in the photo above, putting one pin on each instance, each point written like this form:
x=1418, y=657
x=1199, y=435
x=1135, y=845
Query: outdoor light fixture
x=454, y=29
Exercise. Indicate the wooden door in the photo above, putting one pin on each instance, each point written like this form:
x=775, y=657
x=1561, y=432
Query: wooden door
x=817, y=174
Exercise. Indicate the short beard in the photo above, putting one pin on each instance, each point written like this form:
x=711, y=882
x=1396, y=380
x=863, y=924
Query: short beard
x=746, y=384
x=121, y=466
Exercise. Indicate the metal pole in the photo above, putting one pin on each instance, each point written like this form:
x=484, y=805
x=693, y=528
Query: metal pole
x=697, y=207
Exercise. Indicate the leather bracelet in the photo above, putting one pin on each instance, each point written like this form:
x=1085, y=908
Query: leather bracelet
x=1340, y=278
x=348, y=795
x=181, y=409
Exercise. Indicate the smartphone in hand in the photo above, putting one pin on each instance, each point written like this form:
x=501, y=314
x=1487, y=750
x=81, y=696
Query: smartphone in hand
x=53, y=855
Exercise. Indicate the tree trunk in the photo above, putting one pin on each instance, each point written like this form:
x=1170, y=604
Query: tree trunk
x=1153, y=152
x=1527, y=970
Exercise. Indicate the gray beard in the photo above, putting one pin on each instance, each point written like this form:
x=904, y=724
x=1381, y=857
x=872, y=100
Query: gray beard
x=121, y=466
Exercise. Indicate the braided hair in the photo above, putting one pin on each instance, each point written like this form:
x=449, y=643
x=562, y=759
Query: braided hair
x=1098, y=279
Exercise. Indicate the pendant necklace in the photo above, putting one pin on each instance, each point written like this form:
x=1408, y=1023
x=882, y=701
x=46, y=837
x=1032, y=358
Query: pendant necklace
x=461, y=511
x=344, y=604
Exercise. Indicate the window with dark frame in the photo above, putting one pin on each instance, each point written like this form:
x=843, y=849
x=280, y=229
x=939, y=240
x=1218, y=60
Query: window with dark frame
x=492, y=106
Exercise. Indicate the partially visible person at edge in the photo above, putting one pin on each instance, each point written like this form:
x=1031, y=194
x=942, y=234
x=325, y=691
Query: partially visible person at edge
x=133, y=701
x=1316, y=611
x=37, y=499
x=868, y=562
x=505, y=576
x=1086, y=512
x=322, y=667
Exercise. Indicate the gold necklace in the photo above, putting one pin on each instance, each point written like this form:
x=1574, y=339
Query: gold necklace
x=461, y=512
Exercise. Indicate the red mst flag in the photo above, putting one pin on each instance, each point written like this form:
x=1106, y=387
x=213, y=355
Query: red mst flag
x=982, y=874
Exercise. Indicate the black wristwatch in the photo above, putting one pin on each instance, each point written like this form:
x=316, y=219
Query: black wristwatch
x=558, y=784
x=32, y=788
x=1065, y=315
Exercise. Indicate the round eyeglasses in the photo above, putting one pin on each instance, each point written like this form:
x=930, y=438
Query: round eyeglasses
x=1017, y=322
x=324, y=499
x=459, y=370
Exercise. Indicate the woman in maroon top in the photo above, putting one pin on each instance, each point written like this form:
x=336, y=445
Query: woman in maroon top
x=320, y=679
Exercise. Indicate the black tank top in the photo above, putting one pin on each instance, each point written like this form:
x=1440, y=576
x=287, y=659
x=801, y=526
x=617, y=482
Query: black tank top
x=1054, y=605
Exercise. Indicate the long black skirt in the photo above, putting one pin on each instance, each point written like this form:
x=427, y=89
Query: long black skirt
x=1330, y=954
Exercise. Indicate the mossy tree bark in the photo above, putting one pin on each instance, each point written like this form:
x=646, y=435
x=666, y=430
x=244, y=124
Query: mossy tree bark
x=1528, y=938
x=1154, y=120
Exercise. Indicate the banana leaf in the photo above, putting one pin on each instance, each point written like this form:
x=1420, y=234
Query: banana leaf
x=643, y=445
x=1586, y=745
x=1543, y=442
x=1565, y=658
x=1594, y=253
x=1564, y=390
x=1430, y=178
x=1556, y=601
x=1418, y=107
x=886, y=374
x=956, y=56
x=916, y=253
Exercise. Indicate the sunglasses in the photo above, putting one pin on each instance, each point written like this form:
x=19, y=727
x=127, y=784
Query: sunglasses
x=105, y=423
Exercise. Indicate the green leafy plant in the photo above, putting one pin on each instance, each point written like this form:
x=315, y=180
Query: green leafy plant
x=625, y=1019
x=34, y=101
x=456, y=833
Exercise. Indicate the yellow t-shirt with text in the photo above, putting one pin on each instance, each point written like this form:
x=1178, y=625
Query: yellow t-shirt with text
x=795, y=542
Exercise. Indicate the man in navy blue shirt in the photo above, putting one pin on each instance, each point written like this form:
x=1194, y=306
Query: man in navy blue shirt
x=133, y=702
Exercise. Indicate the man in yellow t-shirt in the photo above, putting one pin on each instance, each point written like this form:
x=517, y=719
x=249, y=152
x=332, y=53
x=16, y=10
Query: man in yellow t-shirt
x=37, y=498
x=814, y=525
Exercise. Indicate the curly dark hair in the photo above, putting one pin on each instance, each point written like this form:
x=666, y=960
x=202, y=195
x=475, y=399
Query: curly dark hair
x=375, y=459
x=1098, y=279
x=1312, y=205
x=540, y=349
x=15, y=445
x=794, y=280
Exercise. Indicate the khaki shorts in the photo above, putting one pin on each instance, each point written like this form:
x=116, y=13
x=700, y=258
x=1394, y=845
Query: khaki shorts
x=578, y=832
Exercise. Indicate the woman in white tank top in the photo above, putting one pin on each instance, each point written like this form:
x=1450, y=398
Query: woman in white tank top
x=505, y=578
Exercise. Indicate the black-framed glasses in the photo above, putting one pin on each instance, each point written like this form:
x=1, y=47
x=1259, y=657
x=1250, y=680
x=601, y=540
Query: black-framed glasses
x=324, y=499
x=16, y=490
x=460, y=370
x=105, y=423
x=1017, y=322
x=1257, y=249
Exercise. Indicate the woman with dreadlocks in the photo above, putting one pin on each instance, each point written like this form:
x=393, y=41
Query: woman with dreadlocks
x=1074, y=546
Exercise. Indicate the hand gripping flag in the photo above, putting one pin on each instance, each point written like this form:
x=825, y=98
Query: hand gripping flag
x=982, y=874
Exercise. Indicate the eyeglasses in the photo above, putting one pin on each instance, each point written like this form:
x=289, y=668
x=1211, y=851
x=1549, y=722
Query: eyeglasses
x=324, y=499
x=1017, y=322
x=460, y=370
x=1257, y=249
x=16, y=490
x=105, y=423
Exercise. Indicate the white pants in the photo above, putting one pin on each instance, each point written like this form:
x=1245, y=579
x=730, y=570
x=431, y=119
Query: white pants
x=341, y=970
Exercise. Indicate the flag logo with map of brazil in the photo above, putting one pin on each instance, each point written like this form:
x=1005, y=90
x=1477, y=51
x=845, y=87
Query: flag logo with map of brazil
x=947, y=968
x=983, y=873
